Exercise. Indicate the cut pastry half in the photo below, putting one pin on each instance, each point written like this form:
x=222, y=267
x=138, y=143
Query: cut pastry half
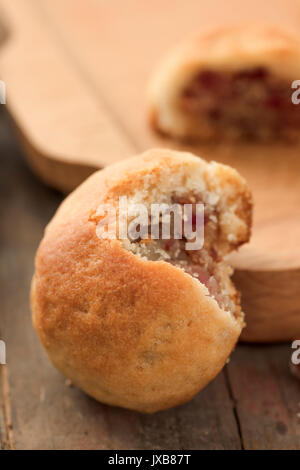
x=138, y=322
x=231, y=83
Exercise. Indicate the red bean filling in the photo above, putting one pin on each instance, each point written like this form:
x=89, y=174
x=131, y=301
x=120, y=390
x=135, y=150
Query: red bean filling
x=252, y=101
x=200, y=264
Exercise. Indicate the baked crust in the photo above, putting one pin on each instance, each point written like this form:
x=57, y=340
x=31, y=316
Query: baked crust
x=132, y=332
x=226, y=50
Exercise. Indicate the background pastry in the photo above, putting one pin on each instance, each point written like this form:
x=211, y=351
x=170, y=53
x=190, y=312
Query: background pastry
x=229, y=83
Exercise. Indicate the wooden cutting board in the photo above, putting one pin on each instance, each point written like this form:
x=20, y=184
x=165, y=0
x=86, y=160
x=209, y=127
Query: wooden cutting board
x=76, y=73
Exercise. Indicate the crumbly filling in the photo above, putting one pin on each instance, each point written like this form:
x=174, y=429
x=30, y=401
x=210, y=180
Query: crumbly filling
x=204, y=264
x=252, y=103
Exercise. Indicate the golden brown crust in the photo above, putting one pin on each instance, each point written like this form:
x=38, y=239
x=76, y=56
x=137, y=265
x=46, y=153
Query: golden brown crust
x=223, y=50
x=130, y=332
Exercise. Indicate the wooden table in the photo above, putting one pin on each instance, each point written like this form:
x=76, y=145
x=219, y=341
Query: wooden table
x=253, y=404
x=77, y=72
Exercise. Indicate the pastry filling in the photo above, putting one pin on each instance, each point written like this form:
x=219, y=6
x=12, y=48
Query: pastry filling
x=203, y=264
x=251, y=103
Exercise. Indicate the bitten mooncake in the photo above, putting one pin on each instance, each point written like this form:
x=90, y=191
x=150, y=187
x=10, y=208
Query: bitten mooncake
x=142, y=323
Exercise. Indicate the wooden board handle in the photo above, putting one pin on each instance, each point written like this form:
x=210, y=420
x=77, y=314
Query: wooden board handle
x=64, y=125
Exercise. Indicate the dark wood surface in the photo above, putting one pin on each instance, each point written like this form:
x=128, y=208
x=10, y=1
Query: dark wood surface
x=253, y=404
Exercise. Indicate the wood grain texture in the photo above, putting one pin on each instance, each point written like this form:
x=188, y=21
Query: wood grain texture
x=46, y=412
x=253, y=403
x=85, y=86
x=7, y=434
x=271, y=302
x=52, y=105
x=2, y=420
x=266, y=396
